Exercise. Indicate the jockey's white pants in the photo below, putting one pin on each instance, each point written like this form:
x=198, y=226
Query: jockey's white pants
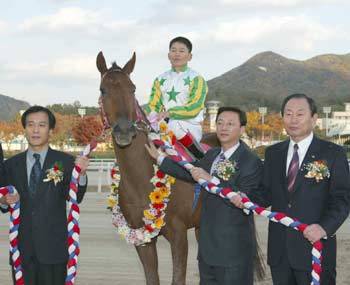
x=180, y=129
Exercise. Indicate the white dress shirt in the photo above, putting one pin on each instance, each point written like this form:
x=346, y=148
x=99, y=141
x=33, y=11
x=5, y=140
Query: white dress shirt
x=303, y=146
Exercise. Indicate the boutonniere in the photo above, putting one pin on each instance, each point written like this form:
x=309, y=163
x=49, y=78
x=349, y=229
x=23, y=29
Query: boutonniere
x=317, y=169
x=225, y=169
x=55, y=173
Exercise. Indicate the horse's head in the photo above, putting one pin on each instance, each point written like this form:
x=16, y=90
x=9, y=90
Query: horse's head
x=118, y=98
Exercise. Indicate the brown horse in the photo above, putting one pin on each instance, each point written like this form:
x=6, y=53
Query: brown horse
x=136, y=169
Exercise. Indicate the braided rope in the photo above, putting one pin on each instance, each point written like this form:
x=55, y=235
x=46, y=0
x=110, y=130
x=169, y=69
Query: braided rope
x=13, y=235
x=277, y=217
x=73, y=220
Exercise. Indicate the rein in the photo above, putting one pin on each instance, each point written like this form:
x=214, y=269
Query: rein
x=141, y=123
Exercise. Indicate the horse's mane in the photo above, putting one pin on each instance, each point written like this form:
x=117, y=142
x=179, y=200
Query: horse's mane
x=115, y=66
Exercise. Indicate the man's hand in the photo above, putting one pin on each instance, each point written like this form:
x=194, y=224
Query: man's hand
x=199, y=173
x=314, y=233
x=9, y=199
x=83, y=163
x=237, y=201
x=152, y=150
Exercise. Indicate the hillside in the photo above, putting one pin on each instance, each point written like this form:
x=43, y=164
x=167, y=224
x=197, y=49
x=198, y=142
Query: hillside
x=266, y=78
x=9, y=107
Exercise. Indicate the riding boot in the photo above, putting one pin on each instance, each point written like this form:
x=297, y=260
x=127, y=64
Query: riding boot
x=192, y=145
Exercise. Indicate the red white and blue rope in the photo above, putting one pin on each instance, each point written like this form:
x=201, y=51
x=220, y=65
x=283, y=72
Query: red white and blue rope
x=14, y=225
x=73, y=220
x=277, y=217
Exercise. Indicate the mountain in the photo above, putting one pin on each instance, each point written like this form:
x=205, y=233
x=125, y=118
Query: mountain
x=9, y=107
x=266, y=78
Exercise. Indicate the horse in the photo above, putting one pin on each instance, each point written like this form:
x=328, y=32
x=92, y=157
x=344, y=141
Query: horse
x=136, y=170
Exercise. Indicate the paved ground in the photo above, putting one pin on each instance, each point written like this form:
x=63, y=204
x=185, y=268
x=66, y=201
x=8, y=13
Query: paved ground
x=106, y=259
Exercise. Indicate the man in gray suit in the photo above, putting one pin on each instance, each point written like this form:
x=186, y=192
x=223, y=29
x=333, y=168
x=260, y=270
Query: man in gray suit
x=227, y=244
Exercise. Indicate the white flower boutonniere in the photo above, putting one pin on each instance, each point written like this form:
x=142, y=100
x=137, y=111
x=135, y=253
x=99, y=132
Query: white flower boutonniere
x=317, y=169
x=225, y=169
x=55, y=173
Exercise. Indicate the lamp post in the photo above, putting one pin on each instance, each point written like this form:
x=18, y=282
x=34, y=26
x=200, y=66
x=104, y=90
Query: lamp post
x=327, y=110
x=82, y=112
x=262, y=111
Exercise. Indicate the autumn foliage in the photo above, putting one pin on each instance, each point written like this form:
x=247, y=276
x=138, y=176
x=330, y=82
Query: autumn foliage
x=86, y=129
x=272, y=127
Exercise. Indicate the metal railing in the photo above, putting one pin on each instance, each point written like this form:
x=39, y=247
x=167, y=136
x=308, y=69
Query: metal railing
x=99, y=172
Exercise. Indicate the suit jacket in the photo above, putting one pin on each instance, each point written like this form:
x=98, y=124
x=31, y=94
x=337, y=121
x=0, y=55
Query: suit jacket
x=325, y=202
x=227, y=235
x=43, y=228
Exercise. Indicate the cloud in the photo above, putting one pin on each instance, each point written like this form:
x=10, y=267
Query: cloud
x=3, y=26
x=199, y=12
x=294, y=30
x=81, y=67
x=268, y=4
x=70, y=17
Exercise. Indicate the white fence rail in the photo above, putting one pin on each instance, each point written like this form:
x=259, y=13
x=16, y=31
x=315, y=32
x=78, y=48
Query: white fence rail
x=99, y=172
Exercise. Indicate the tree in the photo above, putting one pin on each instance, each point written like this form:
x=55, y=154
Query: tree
x=63, y=131
x=253, y=127
x=275, y=126
x=10, y=130
x=72, y=109
x=86, y=129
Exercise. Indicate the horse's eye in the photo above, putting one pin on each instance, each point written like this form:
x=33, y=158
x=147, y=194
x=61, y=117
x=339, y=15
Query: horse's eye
x=103, y=93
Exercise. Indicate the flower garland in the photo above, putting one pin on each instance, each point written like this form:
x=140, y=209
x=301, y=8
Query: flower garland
x=153, y=217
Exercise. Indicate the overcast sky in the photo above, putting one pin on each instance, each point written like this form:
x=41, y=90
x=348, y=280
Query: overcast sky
x=48, y=48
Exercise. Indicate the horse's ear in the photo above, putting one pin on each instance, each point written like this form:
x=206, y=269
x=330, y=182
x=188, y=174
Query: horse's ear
x=101, y=63
x=129, y=66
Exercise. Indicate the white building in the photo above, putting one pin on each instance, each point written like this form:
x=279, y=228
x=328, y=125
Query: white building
x=338, y=123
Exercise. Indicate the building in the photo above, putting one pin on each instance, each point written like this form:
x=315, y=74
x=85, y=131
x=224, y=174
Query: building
x=337, y=126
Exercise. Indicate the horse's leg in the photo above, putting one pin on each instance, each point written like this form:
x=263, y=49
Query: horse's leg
x=149, y=258
x=179, y=250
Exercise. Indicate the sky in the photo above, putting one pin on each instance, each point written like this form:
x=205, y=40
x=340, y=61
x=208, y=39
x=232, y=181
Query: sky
x=48, y=48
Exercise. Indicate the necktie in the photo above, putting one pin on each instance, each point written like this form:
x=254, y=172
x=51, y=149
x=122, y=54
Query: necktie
x=293, y=168
x=35, y=175
x=221, y=159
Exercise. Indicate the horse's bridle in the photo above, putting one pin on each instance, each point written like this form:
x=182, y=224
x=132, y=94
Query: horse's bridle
x=141, y=123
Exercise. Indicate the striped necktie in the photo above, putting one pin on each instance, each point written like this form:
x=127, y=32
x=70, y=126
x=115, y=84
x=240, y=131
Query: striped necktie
x=35, y=175
x=221, y=159
x=293, y=168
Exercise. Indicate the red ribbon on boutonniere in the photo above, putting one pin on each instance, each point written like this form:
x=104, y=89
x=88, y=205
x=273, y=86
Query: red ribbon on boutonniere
x=55, y=173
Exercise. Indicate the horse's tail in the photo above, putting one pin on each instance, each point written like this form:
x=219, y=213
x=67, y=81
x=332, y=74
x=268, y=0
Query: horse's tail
x=259, y=263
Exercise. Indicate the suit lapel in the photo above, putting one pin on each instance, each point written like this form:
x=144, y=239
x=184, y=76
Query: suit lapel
x=22, y=171
x=311, y=155
x=283, y=164
x=211, y=159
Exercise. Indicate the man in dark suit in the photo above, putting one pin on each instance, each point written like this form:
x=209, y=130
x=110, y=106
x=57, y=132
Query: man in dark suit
x=8, y=199
x=43, y=229
x=320, y=201
x=227, y=244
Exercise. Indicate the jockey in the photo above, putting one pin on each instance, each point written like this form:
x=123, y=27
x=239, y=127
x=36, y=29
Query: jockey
x=179, y=94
